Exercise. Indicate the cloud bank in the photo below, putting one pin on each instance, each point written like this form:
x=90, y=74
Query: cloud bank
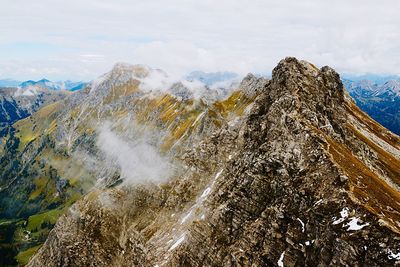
x=82, y=39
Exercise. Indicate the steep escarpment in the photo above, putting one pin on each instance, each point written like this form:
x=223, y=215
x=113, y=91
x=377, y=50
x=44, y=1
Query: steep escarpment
x=304, y=178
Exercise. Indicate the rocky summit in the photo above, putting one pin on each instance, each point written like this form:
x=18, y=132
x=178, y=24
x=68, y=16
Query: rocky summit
x=299, y=177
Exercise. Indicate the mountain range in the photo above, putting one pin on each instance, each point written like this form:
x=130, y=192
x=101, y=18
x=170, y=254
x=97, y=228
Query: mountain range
x=374, y=78
x=378, y=95
x=18, y=100
x=380, y=100
x=19, y=103
x=139, y=170
x=43, y=83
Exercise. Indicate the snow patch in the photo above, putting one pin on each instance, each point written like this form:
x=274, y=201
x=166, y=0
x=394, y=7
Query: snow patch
x=393, y=256
x=309, y=242
x=235, y=121
x=344, y=214
x=198, y=118
x=187, y=216
x=218, y=174
x=354, y=226
x=280, y=261
x=199, y=202
x=206, y=192
x=302, y=225
x=316, y=203
x=177, y=243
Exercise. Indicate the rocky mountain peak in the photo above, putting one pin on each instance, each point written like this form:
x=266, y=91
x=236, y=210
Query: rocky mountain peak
x=125, y=69
x=299, y=90
x=43, y=80
x=305, y=80
x=123, y=73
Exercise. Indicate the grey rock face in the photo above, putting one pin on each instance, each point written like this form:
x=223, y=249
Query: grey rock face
x=297, y=182
x=252, y=85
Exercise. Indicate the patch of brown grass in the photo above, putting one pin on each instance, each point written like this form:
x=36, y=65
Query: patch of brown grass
x=367, y=188
x=372, y=125
x=387, y=161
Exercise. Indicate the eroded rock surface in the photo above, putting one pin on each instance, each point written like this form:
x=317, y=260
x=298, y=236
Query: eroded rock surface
x=304, y=179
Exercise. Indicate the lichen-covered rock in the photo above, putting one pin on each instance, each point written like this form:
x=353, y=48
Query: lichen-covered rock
x=304, y=179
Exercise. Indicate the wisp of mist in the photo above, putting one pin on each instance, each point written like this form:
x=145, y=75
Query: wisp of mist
x=139, y=162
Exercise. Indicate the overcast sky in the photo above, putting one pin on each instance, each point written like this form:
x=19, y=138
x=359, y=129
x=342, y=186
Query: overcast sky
x=81, y=39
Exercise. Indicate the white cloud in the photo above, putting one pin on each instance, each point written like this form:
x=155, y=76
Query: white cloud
x=139, y=162
x=179, y=36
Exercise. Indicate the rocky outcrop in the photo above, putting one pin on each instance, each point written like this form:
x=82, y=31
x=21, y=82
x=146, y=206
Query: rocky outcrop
x=304, y=179
x=251, y=85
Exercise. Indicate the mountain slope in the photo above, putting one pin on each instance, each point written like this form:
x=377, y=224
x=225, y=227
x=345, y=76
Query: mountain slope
x=53, y=157
x=304, y=178
x=17, y=104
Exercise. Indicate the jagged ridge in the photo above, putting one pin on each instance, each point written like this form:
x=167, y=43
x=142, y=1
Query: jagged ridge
x=305, y=179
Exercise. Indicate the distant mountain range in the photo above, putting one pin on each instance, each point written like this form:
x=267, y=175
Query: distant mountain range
x=211, y=78
x=44, y=83
x=9, y=83
x=19, y=100
x=374, y=78
x=379, y=98
x=19, y=103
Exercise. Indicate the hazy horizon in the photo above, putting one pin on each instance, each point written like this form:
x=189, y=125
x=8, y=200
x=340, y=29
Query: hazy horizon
x=349, y=76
